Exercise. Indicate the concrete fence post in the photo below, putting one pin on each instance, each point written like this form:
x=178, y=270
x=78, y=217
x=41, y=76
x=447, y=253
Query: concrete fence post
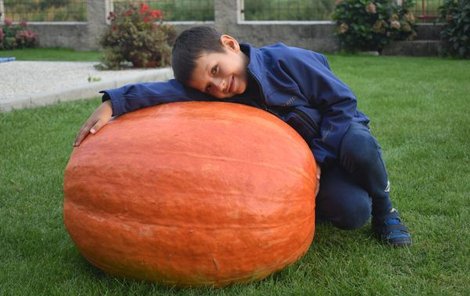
x=2, y=12
x=226, y=15
x=97, y=20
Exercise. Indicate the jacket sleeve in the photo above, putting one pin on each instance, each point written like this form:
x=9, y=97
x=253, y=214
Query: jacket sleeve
x=327, y=93
x=136, y=96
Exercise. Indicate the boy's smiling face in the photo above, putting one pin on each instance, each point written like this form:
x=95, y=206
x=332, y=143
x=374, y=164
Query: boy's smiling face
x=221, y=74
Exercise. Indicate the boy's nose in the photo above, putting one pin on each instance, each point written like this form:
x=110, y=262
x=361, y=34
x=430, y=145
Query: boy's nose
x=220, y=84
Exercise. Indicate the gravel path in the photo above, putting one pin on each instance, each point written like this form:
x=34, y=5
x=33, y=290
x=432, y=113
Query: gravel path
x=26, y=84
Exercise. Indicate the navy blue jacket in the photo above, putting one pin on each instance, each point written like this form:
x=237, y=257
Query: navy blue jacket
x=295, y=84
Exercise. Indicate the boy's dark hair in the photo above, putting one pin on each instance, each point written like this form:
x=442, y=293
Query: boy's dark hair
x=189, y=46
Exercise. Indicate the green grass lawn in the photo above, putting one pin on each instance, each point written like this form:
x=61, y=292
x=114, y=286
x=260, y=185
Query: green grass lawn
x=420, y=111
x=52, y=54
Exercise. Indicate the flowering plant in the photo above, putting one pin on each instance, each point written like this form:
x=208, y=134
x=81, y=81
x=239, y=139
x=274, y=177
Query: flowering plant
x=16, y=35
x=372, y=24
x=137, y=36
x=456, y=32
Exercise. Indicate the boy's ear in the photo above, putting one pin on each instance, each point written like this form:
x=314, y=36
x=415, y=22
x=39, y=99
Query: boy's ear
x=229, y=42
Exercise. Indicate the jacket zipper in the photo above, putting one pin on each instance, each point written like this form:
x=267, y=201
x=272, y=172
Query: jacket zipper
x=301, y=114
x=265, y=105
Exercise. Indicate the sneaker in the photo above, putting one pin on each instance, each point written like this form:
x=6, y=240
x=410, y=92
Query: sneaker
x=391, y=230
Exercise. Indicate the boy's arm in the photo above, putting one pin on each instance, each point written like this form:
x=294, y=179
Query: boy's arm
x=132, y=97
x=136, y=96
x=327, y=93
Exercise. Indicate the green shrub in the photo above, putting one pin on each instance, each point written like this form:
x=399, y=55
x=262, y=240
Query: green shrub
x=369, y=25
x=137, y=37
x=14, y=36
x=456, y=32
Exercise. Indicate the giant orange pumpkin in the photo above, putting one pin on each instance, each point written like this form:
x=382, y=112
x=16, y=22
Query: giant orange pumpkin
x=193, y=193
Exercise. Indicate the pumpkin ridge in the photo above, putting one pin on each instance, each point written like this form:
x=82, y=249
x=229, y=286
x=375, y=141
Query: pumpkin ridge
x=110, y=216
x=159, y=153
x=236, y=160
x=224, y=195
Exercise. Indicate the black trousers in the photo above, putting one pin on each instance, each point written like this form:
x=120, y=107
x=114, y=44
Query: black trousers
x=356, y=185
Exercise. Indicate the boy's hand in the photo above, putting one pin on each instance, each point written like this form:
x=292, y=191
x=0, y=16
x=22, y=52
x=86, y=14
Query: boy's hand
x=95, y=122
x=318, y=178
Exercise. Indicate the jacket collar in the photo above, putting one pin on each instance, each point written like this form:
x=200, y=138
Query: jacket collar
x=255, y=66
x=255, y=59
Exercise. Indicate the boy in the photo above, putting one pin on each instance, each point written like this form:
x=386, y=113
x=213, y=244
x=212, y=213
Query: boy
x=299, y=87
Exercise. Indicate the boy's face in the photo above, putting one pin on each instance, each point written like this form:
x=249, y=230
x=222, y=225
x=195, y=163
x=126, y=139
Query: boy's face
x=221, y=74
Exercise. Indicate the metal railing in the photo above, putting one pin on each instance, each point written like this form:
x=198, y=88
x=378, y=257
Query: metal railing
x=197, y=10
x=427, y=10
x=178, y=10
x=285, y=10
x=255, y=10
x=50, y=10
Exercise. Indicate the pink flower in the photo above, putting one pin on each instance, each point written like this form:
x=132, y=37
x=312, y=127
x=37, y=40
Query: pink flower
x=409, y=17
x=111, y=16
x=23, y=24
x=371, y=8
x=8, y=22
x=379, y=26
x=128, y=12
x=343, y=28
x=26, y=34
x=395, y=24
x=406, y=27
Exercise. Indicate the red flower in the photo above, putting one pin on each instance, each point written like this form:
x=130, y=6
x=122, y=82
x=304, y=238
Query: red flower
x=143, y=8
x=128, y=12
x=156, y=13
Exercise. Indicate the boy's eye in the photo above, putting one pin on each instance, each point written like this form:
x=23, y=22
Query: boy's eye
x=214, y=70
